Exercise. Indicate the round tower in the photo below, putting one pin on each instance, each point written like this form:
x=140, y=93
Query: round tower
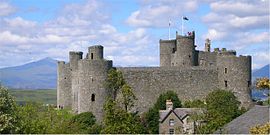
x=92, y=75
x=185, y=51
x=95, y=52
x=234, y=74
x=63, y=85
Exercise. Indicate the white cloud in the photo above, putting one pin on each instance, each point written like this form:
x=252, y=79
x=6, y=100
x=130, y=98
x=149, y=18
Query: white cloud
x=19, y=22
x=156, y=13
x=240, y=8
x=240, y=25
x=261, y=58
x=6, y=9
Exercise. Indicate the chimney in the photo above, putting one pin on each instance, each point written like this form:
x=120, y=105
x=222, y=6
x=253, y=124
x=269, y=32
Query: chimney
x=169, y=104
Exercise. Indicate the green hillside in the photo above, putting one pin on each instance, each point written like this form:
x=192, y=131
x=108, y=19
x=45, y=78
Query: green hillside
x=41, y=96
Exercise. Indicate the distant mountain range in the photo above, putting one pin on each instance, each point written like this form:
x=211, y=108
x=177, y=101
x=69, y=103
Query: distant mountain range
x=262, y=72
x=42, y=74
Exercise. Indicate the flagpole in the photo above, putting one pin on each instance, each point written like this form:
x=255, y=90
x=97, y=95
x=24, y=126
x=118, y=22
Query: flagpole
x=182, y=26
x=170, y=29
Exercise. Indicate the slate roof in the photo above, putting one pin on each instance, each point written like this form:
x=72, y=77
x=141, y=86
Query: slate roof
x=242, y=124
x=179, y=112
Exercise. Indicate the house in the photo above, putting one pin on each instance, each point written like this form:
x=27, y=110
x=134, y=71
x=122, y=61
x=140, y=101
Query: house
x=257, y=115
x=178, y=120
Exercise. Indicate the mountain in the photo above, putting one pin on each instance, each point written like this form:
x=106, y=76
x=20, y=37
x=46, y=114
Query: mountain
x=35, y=75
x=262, y=72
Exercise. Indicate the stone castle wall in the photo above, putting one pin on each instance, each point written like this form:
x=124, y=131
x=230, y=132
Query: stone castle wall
x=189, y=83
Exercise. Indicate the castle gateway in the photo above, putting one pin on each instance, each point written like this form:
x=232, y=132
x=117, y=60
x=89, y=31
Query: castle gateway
x=191, y=73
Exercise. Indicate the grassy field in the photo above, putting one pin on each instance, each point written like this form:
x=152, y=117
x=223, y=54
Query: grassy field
x=41, y=96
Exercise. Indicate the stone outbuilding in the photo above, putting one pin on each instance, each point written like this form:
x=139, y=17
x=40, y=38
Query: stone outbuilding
x=178, y=120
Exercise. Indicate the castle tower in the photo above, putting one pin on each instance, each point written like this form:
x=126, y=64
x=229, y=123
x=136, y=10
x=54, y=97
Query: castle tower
x=63, y=85
x=95, y=52
x=92, y=74
x=207, y=46
x=167, y=48
x=184, y=55
x=74, y=57
x=234, y=74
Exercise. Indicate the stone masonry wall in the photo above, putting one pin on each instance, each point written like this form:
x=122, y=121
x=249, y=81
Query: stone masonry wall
x=189, y=83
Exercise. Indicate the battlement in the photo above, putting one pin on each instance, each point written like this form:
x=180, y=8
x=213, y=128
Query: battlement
x=167, y=41
x=61, y=62
x=75, y=53
x=96, y=46
x=190, y=35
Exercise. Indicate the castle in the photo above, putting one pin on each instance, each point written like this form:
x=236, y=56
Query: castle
x=191, y=73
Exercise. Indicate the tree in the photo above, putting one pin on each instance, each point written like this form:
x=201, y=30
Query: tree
x=262, y=83
x=114, y=82
x=87, y=119
x=87, y=123
x=261, y=129
x=127, y=97
x=222, y=107
x=194, y=104
x=152, y=116
x=7, y=112
x=34, y=118
x=117, y=120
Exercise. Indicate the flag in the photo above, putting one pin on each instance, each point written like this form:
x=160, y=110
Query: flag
x=170, y=22
x=185, y=18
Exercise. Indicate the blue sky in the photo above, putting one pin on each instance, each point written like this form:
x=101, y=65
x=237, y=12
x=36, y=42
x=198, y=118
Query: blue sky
x=128, y=29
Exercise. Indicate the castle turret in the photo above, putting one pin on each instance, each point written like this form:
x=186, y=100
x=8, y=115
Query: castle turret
x=234, y=74
x=95, y=52
x=184, y=55
x=63, y=85
x=92, y=76
x=74, y=57
x=207, y=45
x=167, y=48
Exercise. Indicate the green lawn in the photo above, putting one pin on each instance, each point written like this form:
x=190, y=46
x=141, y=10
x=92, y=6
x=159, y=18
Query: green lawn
x=41, y=96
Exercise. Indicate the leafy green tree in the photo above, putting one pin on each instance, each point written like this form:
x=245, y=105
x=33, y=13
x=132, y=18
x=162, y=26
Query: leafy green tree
x=194, y=104
x=222, y=107
x=114, y=82
x=87, y=119
x=34, y=118
x=7, y=112
x=87, y=123
x=152, y=116
x=117, y=120
x=127, y=97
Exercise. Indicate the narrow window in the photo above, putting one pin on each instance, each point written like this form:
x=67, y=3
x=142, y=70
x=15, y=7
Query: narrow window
x=65, y=78
x=92, y=79
x=92, y=56
x=93, y=97
x=173, y=64
x=171, y=131
x=226, y=83
x=189, y=56
x=171, y=122
x=173, y=51
x=249, y=84
x=225, y=70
